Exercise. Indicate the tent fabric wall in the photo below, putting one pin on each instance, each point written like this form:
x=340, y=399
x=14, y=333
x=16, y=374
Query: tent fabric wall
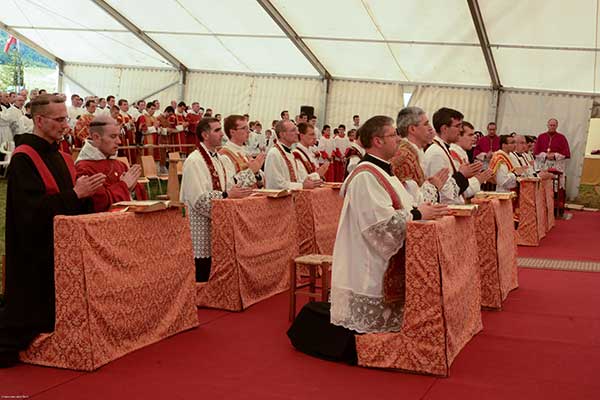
x=263, y=97
x=475, y=104
x=128, y=83
x=347, y=98
x=528, y=113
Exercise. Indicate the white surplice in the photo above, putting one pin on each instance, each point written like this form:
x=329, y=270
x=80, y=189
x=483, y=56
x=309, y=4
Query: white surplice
x=277, y=174
x=370, y=232
x=436, y=158
x=197, y=193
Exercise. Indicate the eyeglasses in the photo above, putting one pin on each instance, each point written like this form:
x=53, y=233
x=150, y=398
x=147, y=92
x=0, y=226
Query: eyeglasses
x=60, y=120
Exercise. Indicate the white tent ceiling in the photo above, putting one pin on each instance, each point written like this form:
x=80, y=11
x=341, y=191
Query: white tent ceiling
x=534, y=44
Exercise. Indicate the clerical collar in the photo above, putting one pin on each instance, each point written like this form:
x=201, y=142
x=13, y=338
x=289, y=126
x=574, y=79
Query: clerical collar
x=285, y=148
x=443, y=142
x=384, y=165
x=213, y=154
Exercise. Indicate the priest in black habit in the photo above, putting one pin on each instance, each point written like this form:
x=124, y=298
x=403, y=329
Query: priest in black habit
x=41, y=185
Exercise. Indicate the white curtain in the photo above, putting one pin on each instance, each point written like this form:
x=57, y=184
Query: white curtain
x=260, y=96
x=127, y=83
x=475, y=104
x=528, y=113
x=348, y=98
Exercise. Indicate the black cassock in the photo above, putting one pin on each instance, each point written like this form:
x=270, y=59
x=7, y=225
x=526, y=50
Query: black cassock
x=28, y=308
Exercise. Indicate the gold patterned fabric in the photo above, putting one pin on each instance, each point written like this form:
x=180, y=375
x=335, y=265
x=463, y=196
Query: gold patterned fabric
x=497, y=250
x=253, y=241
x=549, y=192
x=118, y=288
x=528, y=232
x=442, y=309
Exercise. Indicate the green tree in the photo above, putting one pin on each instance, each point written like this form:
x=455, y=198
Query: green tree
x=12, y=74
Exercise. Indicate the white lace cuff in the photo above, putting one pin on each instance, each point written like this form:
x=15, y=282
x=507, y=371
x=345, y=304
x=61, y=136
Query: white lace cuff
x=388, y=236
x=429, y=192
x=204, y=203
x=245, y=178
x=365, y=314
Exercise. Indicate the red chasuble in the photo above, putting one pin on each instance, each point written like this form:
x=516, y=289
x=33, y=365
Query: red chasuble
x=114, y=189
x=487, y=144
x=555, y=143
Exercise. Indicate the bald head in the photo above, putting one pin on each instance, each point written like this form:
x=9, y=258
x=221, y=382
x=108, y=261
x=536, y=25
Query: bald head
x=520, y=144
x=100, y=123
x=105, y=134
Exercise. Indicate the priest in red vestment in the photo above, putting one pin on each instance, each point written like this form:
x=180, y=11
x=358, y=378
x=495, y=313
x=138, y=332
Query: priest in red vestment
x=487, y=145
x=99, y=154
x=552, y=145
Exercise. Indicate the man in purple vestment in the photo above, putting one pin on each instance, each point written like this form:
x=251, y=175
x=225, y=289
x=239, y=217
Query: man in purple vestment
x=487, y=145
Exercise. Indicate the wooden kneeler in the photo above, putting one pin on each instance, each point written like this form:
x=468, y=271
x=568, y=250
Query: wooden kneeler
x=313, y=262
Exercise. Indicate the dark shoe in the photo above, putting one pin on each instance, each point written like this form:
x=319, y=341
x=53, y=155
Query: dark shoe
x=9, y=359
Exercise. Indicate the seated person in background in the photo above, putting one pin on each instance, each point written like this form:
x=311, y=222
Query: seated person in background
x=504, y=171
x=98, y=155
x=367, y=286
x=306, y=161
x=458, y=151
x=281, y=169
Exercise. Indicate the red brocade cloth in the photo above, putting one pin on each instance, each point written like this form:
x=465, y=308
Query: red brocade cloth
x=253, y=241
x=497, y=250
x=118, y=288
x=442, y=309
x=317, y=214
x=536, y=203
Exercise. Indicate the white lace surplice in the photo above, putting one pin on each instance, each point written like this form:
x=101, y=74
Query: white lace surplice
x=370, y=232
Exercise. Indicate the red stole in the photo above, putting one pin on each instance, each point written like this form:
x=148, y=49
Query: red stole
x=214, y=175
x=447, y=152
x=309, y=166
x=47, y=177
x=405, y=164
x=394, y=278
x=500, y=158
x=238, y=161
x=288, y=163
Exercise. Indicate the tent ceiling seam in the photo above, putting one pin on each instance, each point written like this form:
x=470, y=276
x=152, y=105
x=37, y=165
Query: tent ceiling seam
x=387, y=44
x=289, y=31
x=232, y=53
x=126, y=23
x=485, y=43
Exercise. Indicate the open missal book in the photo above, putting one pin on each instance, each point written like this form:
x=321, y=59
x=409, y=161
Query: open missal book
x=144, y=206
x=463, y=210
x=495, y=195
x=274, y=193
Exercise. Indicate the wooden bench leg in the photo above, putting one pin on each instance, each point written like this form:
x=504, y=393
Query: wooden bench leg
x=324, y=282
x=292, y=315
x=312, y=281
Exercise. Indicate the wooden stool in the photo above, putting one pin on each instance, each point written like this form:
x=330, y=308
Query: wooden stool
x=313, y=262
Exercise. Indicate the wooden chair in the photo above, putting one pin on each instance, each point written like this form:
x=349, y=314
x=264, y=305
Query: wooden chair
x=149, y=171
x=312, y=262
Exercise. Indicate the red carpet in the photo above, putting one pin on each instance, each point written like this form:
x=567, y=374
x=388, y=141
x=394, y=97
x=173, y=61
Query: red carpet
x=574, y=239
x=545, y=344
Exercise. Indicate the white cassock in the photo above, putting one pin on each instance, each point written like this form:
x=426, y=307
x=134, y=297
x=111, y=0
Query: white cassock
x=197, y=193
x=474, y=184
x=370, y=232
x=73, y=113
x=354, y=159
x=436, y=158
x=304, y=152
x=505, y=180
x=342, y=144
x=245, y=177
x=252, y=145
x=277, y=174
x=9, y=123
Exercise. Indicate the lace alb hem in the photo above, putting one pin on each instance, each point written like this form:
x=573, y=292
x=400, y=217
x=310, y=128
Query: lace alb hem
x=365, y=314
